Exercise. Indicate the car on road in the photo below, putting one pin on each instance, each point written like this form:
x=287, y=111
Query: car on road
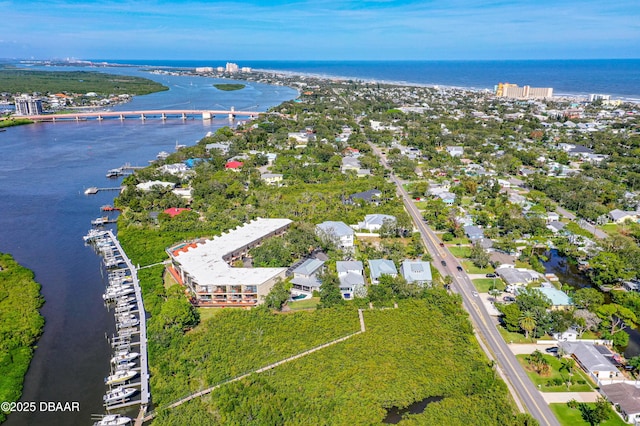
x=443, y=263
x=441, y=244
x=459, y=268
x=475, y=293
x=491, y=276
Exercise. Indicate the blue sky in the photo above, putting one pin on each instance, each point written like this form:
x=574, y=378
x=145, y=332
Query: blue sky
x=320, y=29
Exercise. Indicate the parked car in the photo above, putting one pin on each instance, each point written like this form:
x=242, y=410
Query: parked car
x=491, y=275
x=443, y=263
x=509, y=299
x=552, y=350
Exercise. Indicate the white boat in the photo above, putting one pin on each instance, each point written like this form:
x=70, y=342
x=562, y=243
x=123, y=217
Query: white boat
x=113, y=420
x=110, y=295
x=162, y=155
x=118, y=394
x=93, y=234
x=126, y=323
x=125, y=366
x=120, y=377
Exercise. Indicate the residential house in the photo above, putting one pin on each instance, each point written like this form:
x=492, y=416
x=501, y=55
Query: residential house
x=351, y=276
x=234, y=165
x=371, y=196
x=570, y=335
x=552, y=216
x=620, y=216
x=175, y=169
x=272, y=178
x=416, y=271
x=223, y=147
x=338, y=233
x=455, y=151
x=447, y=197
x=350, y=163
x=626, y=398
x=473, y=232
x=516, y=276
x=305, y=276
x=556, y=226
x=148, y=186
x=373, y=222
x=591, y=360
x=559, y=299
x=379, y=267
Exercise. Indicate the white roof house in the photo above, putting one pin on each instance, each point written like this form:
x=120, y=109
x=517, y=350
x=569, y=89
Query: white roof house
x=351, y=276
x=205, y=265
x=339, y=233
x=591, y=360
x=619, y=216
x=455, y=151
x=373, y=222
x=379, y=267
x=416, y=271
x=147, y=186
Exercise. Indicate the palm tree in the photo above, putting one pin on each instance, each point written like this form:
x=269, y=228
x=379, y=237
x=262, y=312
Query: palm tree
x=528, y=322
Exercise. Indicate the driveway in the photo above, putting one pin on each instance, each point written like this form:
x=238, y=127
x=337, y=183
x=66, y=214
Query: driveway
x=560, y=397
x=528, y=348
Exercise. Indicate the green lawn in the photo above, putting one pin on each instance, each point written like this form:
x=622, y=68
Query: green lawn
x=513, y=337
x=208, y=313
x=421, y=205
x=554, y=362
x=460, y=252
x=304, y=304
x=483, y=285
x=572, y=417
x=473, y=269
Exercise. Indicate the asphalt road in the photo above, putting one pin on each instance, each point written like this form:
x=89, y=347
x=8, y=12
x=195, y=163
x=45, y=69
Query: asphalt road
x=522, y=389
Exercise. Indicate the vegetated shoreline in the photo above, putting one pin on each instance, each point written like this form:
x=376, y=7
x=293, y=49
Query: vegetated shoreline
x=21, y=325
x=10, y=122
x=229, y=87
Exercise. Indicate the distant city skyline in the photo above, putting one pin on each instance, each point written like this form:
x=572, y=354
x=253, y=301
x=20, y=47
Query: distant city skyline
x=320, y=30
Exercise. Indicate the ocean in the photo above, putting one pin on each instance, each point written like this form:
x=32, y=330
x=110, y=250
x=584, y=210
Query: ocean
x=619, y=78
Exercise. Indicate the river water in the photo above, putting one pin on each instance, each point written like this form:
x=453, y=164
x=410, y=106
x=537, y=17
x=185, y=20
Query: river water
x=569, y=274
x=44, y=213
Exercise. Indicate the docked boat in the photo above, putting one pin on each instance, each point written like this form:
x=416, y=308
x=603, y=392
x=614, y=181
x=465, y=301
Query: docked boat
x=120, y=377
x=91, y=190
x=113, y=173
x=113, y=420
x=125, y=366
x=118, y=394
x=114, y=294
x=100, y=221
x=94, y=234
x=126, y=323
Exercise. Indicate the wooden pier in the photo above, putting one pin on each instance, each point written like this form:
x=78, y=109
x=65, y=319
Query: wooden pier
x=109, y=247
x=94, y=190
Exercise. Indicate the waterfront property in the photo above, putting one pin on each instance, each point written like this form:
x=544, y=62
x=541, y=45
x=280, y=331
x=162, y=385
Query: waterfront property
x=205, y=266
x=626, y=398
x=591, y=360
x=351, y=276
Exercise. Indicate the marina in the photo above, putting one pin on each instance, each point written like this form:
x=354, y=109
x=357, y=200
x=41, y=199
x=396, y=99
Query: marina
x=124, y=296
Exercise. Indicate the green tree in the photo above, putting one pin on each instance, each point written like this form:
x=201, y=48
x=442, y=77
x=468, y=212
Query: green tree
x=527, y=322
x=277, y=296
x=479, y=256
x=608, y=268
x=330, y=290
x=511, y=314
x=588, y=298
x=596, y=414
x=179, y=313
x=615, y=317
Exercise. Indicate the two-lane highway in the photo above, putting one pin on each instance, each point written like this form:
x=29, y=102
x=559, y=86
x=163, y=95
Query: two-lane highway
x=521, y=387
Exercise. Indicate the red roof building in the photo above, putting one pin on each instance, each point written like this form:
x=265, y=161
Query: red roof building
x=234, y=165
x=175, y=211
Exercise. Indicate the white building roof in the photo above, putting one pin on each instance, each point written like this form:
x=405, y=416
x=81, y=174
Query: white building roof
x=205, y=262
x=146, y=186
x=337, y=229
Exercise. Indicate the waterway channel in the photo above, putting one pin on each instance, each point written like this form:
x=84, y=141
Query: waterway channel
x=568, y=273
x=44, y=169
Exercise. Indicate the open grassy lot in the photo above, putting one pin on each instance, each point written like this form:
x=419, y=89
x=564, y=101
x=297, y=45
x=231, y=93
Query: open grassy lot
x=304, y=304
x=483, y=285
x=460, y=252
x=542, y=381
x=473, y=269
x=572, y=417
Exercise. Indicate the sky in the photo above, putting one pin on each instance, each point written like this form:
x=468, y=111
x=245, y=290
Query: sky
x=320, y=29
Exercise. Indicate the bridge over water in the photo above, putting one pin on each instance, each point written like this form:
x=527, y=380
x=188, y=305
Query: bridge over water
x=142, y=115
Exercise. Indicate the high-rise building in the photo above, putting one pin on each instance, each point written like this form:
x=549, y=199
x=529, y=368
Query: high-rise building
x=231, y=67
x=26, y=105
x=598, y=97
x=507, y=90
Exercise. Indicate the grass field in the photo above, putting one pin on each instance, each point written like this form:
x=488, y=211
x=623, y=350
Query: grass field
x=460, y=252
x=572, y=416
x=473, y=269
x=513, y=337
x=483, y=285
x=304, y=304
x=541, y=381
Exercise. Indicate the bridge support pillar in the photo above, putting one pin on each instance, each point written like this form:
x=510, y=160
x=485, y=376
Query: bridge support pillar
x=206, y=115
x=77, y=118
x=142, y=117
x=184, y=116
x=121, y=117
x=100, y=118
x=164, y=116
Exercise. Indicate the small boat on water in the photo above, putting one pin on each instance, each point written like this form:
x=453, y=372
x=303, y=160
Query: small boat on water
x=125, y=366
x=113, y=420
x=120, y=377
x=118, y=394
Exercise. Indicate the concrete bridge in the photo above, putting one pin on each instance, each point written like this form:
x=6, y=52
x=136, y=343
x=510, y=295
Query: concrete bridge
x=142, y=115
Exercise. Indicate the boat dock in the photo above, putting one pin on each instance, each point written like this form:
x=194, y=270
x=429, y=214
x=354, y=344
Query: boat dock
x=124, y=296
x=94, y=190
